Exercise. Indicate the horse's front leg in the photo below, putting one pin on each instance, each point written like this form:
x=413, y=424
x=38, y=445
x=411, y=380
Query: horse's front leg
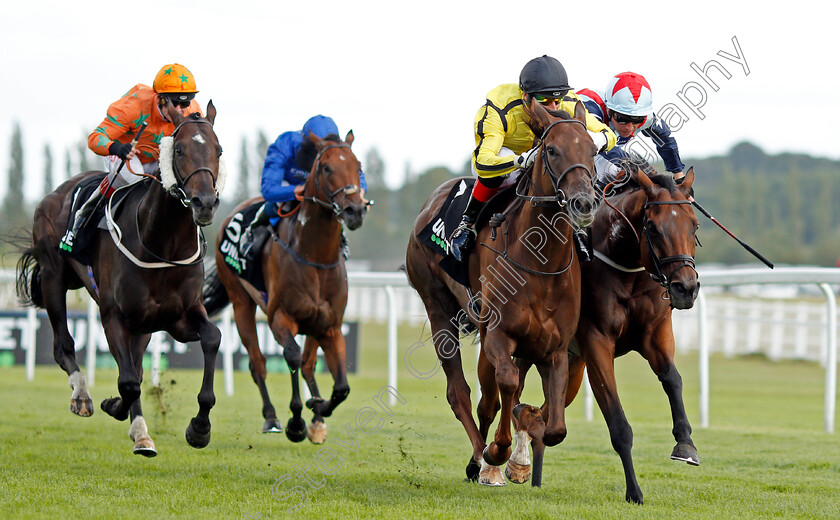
x=128, y=382
x=196, y=325
x=138, y=431
x=659, y=353
x=335, y=354
x=498, y=347
x=284, y=330
x=599, y=354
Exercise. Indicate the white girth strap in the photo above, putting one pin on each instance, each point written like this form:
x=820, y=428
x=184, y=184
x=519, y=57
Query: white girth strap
x=602, y=257
x=116, y=236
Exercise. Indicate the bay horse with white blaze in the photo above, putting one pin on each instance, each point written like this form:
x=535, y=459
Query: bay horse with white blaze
x=530, y=299
x=306, y=286
x=146, y=275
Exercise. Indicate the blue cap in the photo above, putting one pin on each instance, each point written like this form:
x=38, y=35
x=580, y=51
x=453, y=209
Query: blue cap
x=321, y=126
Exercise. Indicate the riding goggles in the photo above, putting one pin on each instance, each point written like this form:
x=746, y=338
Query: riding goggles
x=624, y=118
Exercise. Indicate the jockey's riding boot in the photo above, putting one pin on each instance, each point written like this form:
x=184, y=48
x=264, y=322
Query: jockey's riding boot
x=344, y=245
x=79, y=220
x=247, y=241
x=583, y=239
x=463, y=239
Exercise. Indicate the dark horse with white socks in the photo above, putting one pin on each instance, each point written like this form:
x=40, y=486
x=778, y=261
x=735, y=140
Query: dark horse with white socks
x=146, y=274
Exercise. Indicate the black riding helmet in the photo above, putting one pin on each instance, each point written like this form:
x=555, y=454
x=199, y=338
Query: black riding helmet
x=545, y=76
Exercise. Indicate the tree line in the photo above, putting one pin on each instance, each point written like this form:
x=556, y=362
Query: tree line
x=783, y=204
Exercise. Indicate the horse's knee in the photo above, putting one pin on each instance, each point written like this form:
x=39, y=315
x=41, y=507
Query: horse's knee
x=507, y=378
x=129, y=391
x=292, y=357
x=621, y=436
x=555, y=436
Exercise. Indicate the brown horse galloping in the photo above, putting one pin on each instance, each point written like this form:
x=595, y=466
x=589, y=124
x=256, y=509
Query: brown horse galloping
x=145, y=279
x=529, y=282
x=644, y=242
x=306, y=284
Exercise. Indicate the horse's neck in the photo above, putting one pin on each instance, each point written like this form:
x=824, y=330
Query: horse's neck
x=620, y=239
x=315, y=232
x=549, y=226
x=161, y=215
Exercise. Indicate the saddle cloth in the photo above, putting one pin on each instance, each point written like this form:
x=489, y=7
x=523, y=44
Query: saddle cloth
x=83, y=242
x=436, y=234
x=229, y=247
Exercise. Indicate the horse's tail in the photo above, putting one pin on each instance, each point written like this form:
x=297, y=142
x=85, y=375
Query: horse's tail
x=28, y=284
x=215, y=295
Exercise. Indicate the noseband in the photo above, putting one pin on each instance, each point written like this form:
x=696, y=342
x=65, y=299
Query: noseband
x=178, y=191
x=330, y=203
x=559, y=196
x=685, y=260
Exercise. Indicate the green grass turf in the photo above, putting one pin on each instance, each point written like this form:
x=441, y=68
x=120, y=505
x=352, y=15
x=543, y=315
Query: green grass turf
x=765, y=454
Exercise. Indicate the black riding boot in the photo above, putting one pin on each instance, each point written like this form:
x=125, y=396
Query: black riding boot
x=463, y=239
x=79, y=220
x=246, y=243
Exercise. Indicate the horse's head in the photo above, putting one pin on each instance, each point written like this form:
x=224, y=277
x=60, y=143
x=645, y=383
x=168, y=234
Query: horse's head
x=191, y=168
x=565, y=161
x=669, y=227
x=334, y=181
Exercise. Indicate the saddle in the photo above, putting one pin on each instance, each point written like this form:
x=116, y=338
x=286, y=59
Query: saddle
x=82, y=245
x=436, y=234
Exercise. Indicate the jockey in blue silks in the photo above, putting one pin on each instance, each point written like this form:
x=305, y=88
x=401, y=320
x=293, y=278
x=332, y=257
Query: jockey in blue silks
x=287, y=165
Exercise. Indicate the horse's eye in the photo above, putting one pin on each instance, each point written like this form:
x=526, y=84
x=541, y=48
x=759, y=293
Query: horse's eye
x=179, y=151
x=219, y=151
x=651, y=228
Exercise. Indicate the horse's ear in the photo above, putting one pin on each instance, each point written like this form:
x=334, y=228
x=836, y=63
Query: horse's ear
x=317, y=141
x=176, y=118
x=580, y=112
x=211, y=111
x=349, y=138
x=644, y=181
x=688, y=180
x=537, y=116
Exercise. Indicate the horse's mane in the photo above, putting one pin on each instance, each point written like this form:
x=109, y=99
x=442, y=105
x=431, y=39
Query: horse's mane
x=634, y=162
x=305, y=157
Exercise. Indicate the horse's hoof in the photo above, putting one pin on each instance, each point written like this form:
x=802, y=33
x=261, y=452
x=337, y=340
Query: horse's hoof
x=112, y=407
x=317, y=432
x=296, y=430
x=145, y=447
x=195, y=437
x=81, y=407
x=272, y=426
x=473, y=468
x=517, y=473
x=634, y=498
x=686, y=453
x=490, y=475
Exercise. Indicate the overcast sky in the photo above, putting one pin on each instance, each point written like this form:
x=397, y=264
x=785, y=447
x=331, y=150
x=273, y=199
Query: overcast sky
x=408, y=77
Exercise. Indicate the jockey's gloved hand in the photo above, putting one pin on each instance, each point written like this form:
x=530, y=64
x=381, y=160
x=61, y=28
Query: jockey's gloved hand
x=600, y=140
x=121, y=150
x=526, y=159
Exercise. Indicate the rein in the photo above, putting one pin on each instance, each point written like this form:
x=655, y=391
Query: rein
x=346, y=190
x=559, y=195
x=548, y=201
x=659, y=277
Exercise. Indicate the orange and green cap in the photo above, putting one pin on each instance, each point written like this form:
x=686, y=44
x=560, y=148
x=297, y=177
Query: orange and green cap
x=173, y=79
